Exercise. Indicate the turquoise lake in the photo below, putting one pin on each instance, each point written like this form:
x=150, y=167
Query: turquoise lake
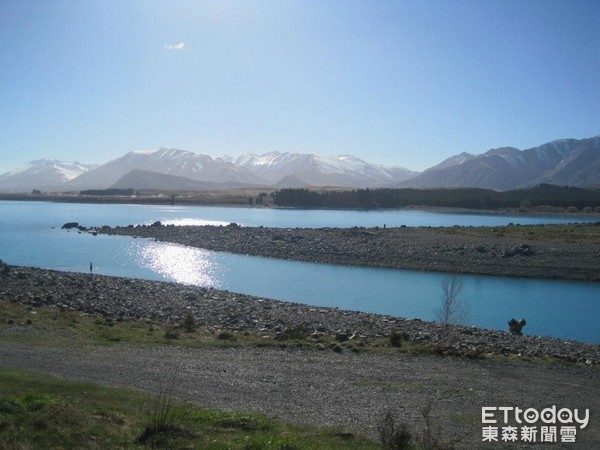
x=30, y=235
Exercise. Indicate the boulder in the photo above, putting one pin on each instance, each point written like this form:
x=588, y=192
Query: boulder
x=69, y=225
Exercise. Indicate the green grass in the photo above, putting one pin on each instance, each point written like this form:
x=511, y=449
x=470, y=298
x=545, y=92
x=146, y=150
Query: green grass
x=53, y=327
x=39, y=411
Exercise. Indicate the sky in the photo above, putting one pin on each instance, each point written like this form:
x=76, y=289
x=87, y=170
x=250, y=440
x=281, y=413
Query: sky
x=402, y=82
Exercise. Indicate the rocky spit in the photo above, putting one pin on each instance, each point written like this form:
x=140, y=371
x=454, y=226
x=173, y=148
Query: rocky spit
x=222, y=310
x=443, y=249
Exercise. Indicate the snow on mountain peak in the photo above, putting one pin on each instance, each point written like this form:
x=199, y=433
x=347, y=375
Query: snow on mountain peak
x=42, y=174
x=320, y=170
x=42, y=167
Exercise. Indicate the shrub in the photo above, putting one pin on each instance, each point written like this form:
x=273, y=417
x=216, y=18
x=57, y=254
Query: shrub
x=391, y=435
x=160, y=426
x=226, y=336
x=189, y=323
x=297, y=332
x=4, y=268
x=396, y=338
x=515, y=326
x=428, y=438
x=172, y=334
x=336, y=347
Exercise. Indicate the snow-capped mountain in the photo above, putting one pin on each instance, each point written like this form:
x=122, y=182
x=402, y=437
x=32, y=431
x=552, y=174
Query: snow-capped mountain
x=42, y=174
x=173, y=162
x=297, y=169
x=564, y=162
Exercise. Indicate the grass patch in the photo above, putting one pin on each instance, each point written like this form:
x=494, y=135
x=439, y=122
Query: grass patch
x=39, y=411
x=55, y=327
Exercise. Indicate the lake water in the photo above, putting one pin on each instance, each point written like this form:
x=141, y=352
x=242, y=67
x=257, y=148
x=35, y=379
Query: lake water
x=30, y=235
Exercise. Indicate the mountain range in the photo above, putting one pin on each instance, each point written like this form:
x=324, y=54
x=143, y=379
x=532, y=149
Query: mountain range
x=563, y=162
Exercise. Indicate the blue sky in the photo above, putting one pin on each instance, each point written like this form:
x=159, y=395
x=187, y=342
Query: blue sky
x=393, y=82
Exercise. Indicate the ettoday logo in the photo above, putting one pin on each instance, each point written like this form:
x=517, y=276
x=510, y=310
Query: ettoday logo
x=551, y=424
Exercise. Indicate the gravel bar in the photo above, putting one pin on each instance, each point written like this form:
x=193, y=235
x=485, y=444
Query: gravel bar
x=442, y=249
x=222, y=310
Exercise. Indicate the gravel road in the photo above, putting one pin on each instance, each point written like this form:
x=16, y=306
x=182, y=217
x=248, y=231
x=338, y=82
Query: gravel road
x=328, y=389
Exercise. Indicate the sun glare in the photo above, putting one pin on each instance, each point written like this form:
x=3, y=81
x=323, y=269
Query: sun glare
x=180, y=264
x=188, y=221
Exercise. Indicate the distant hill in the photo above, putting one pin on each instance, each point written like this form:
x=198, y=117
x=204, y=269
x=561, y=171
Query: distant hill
x=147, y=180
x=42, y=174
x=565, y=162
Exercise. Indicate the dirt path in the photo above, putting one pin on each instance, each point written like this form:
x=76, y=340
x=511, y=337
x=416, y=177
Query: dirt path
x=329, y=389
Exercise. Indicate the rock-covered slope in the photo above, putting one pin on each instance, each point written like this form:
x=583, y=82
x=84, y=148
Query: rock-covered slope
x=140, y=299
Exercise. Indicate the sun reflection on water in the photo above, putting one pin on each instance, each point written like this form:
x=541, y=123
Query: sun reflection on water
x=189, y=221
x=181, y=264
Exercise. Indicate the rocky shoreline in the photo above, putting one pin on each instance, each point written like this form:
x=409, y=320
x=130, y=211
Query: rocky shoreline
x=222, y=310
x=443, y=249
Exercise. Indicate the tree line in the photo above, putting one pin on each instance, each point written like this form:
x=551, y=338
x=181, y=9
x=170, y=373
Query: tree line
x=471, y=198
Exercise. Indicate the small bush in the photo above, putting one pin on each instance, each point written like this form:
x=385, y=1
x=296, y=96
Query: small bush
x=160, y=426
x=226, y=336
x=391, y=435
x=396, y=338
x=189, y=323
x=172, y=334
x=297, y=332
x=336, y=347
x=429, y=438
x=516, y=326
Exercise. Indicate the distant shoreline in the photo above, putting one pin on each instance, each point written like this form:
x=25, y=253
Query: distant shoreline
x=240, y=200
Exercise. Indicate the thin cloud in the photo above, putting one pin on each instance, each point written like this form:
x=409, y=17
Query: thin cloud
x=178, y=46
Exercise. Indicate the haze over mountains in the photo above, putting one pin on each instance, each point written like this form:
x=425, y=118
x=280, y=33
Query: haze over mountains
x=46, y=174
x=564, y=162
